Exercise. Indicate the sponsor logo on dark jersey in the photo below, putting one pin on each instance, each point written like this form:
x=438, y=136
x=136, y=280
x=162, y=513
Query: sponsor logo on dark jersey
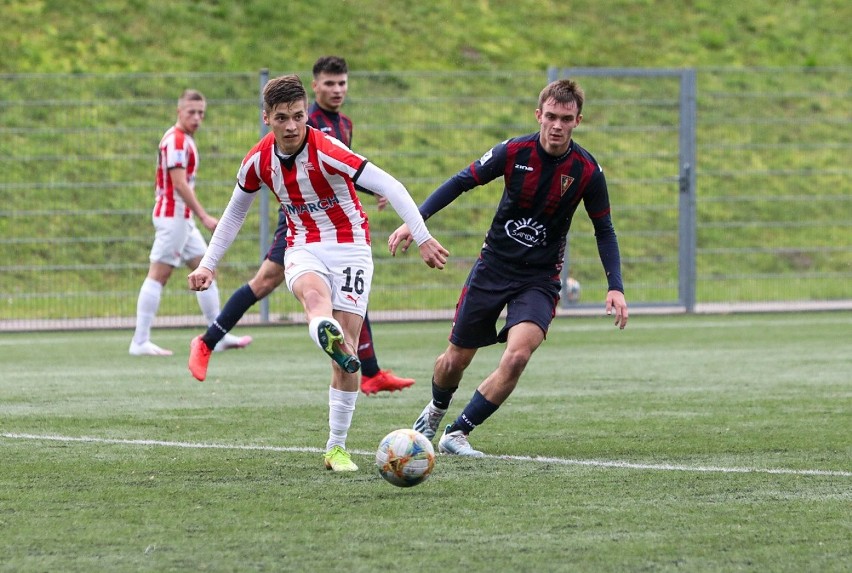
x=527, y=232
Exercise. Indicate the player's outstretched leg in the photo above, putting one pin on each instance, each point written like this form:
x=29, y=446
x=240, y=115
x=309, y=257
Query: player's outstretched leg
x=330, y=339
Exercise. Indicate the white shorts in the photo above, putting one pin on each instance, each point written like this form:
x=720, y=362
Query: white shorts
x=346, y=268
x=176, y=240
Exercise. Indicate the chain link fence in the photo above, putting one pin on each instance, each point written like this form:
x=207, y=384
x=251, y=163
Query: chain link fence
x=773, y=206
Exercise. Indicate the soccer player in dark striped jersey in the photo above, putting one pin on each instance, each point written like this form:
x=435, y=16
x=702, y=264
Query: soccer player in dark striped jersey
x=546, y=176
x=330, y=85
x=324, y=114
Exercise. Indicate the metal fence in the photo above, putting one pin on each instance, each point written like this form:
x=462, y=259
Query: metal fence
x=758, y=211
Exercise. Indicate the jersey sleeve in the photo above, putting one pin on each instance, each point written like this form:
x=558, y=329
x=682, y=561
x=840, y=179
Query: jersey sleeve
x=177, y=151
x=596, y=201
x=335, y=154
x=596, y=197
x=379, y=181
x=491, y=165
x=248, y=176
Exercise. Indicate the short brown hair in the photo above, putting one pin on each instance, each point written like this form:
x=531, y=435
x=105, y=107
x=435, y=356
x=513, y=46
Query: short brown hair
x=190, y=95
x=283, y=89
x=563, y=91
x=333, y=65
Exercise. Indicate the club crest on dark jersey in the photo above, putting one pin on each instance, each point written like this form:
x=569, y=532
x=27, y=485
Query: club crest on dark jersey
x=527, y=232
x=567, y=180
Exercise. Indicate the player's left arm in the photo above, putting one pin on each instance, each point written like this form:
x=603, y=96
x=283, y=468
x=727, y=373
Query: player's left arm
x=597, y=206
x=611, y=260
x=226, y=231
x=384, y=184
x=381, y=201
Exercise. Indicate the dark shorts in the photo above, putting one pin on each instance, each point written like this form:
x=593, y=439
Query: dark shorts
x=526, y=296
x=279, y=241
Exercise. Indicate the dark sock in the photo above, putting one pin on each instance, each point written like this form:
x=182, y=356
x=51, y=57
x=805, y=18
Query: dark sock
x=441, y=397
x=366, y=350
x=242, y=300
x=477, y=411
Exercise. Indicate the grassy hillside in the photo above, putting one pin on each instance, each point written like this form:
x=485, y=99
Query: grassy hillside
x=422, y=120
x=158, y=35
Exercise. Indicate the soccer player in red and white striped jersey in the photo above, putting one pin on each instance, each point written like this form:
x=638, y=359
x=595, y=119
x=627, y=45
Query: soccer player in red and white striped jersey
x=177, y=240
x=330, y=85
x=328, y=263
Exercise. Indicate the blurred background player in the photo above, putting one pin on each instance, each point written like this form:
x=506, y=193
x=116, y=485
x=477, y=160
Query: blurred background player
x=328, y=261
x=330, y=85
x=177, y=240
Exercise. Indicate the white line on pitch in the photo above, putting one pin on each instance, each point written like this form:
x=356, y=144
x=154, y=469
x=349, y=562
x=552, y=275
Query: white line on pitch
x=538, y=459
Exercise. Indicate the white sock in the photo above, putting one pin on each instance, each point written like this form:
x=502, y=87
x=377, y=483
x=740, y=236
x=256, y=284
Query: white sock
x=146, y=309
x=312, y=328
x=341, y=407
x=208, y=300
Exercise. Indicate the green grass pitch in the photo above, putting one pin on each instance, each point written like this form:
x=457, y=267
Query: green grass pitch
x=684, y=443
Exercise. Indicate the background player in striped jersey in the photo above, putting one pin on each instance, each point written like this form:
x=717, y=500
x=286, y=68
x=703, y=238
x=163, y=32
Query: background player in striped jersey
x=328, y=263
x=177, y=240
x=546, y=175
x=330, y=85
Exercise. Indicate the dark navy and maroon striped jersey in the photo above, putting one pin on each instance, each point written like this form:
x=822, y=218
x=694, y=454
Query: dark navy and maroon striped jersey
x=331, y=123
x=540, y=195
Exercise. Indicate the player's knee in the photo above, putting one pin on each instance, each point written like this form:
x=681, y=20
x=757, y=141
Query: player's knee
x=453, y=362
x=261, y=288
x=264, y=283
x=515, y=360
x=160, y=273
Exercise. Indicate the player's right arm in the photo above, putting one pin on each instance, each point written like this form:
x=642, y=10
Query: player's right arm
x=226, y=231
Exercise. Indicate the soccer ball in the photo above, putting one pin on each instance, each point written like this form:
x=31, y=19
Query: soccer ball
x=572, y=290
x=405, y=458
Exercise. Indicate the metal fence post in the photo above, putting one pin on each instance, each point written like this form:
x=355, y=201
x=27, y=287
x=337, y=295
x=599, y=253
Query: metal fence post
x=687, y=204
x=552, y=74
x=264, y=200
